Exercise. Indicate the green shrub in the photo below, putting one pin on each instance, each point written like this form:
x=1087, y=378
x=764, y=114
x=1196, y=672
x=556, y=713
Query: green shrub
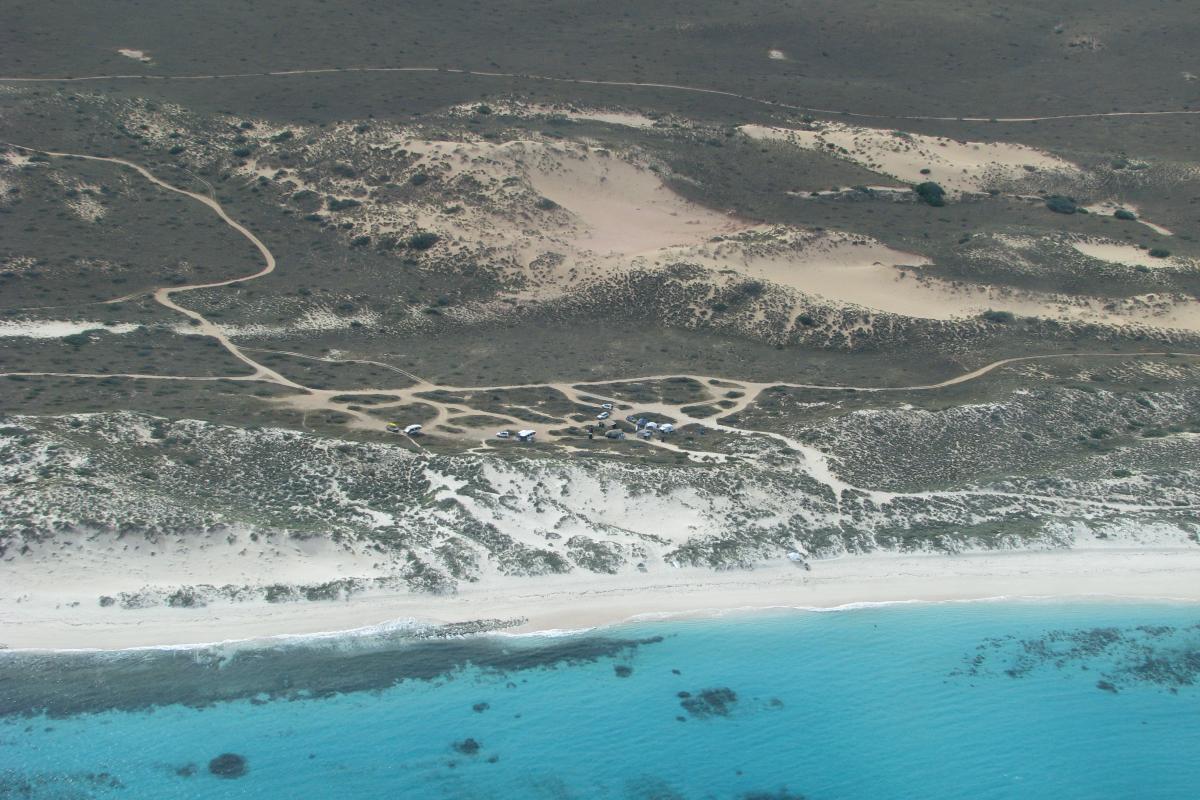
x=1158, y=252
x=418, y=178
x=1061, y=204
x=999, y=317
x=423, y=240
x=931, y=193
x=1122, y=213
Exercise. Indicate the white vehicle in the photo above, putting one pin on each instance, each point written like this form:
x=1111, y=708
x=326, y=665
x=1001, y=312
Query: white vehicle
x=504, y=434
x=602, y=415
x=606, y=405
x=526, y=435
x=412, y=430
x=666, y=427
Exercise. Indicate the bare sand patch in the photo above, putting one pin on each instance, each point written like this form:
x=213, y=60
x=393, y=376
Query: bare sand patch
x=1128, y=255
x=609, y=116
x=1107, y=208
x=855, y=270
x=56, y=328
x=136, y=55
x=957, y=166
x=623, y=208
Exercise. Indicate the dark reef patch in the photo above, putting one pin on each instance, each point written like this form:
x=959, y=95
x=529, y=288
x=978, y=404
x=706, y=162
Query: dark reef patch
x=479, y=708
x=468, y=747
x=228, y=765
x=710, y=702
x=61, y=684
x=622, y=670
x=1165, y=656
x=779, y=794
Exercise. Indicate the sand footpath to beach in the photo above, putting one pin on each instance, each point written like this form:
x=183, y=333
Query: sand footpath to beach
x=46, y=620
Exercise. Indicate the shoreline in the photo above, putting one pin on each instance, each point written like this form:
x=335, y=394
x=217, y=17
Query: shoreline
x=559, y=605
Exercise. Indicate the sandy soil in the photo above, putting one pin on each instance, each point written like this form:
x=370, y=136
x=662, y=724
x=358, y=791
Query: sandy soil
x=1128, y=254
x=1108, y=207
x=956, y=166
x=625, y=209
x=629, y=119
x=34, y=617
x=57, y=328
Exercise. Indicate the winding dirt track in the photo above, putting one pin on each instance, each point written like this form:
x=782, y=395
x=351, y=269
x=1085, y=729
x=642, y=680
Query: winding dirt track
x=595, y=82
x=817, y=464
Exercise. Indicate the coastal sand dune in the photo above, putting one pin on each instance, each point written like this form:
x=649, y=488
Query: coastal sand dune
x=557, y=217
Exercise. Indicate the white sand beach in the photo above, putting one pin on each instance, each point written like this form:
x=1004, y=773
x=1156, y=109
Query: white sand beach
x=40, y=614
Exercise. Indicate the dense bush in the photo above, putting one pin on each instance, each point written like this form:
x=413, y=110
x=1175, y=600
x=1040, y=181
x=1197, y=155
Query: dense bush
x=999, y=317
x=931, y=193
x=422, y=240
x=1159, y=252
x=1060, y=204
x=1122, y=213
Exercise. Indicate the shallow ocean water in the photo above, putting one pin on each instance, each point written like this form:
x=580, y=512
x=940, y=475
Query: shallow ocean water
x=1023, y=700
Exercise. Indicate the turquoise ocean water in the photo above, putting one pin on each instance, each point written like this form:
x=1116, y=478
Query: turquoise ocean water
x=973, y=700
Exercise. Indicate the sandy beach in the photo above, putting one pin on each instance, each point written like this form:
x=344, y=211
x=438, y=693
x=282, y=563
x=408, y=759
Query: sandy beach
x=63, y=619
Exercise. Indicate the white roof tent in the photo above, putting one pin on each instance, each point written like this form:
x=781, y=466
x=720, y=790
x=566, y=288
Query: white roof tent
x=412, y=429
x=666, y=427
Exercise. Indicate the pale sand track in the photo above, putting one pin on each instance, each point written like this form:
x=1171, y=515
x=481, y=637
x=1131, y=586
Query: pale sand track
x=597, y=82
